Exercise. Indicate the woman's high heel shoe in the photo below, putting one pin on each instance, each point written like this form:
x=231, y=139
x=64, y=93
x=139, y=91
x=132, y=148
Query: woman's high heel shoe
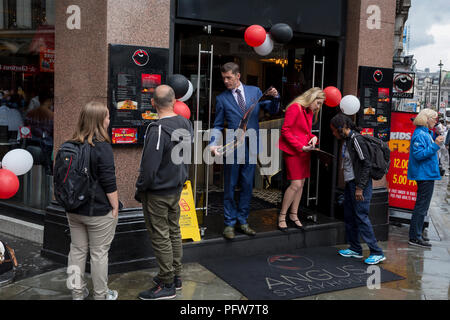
x=296, y=221
x=280, y=220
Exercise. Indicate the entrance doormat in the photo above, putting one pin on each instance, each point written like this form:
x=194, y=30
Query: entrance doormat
x=302, y=273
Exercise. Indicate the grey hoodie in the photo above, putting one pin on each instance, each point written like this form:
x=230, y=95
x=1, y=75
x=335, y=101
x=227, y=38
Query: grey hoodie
x=159, y=173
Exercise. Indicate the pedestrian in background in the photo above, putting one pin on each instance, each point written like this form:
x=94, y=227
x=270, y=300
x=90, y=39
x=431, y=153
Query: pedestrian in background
x=296, y=141
x=423, y=167
x=356, y=165
x=95, y=233
x=447, y=145
x=159, y=187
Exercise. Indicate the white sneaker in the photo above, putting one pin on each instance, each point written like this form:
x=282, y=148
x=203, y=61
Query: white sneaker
x=85, y=295
x=112, y=295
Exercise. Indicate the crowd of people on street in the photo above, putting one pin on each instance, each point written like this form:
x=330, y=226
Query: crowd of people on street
x=161, y=181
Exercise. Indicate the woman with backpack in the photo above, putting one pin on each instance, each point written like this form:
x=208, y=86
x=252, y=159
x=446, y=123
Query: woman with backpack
x=423, y=167
x=92, y=230
x=356, y=165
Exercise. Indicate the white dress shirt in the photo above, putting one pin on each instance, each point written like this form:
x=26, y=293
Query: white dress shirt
x=241, y=88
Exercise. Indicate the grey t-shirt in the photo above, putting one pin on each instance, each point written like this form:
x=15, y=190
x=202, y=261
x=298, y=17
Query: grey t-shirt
x=347, y=164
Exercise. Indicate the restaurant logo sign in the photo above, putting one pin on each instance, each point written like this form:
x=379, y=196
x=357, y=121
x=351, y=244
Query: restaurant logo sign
x=378, y=76
x=141, y=57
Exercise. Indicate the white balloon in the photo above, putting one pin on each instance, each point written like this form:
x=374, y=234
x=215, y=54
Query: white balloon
x=19, y=161
x=350, y=105
x=188, y=94
x=266, y=47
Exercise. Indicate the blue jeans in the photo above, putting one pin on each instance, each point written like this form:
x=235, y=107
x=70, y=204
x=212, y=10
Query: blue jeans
x=357, y=222
x=425, y=190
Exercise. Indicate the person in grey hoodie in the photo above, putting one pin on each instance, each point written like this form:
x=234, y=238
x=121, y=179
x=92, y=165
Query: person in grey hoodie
x=163, y=172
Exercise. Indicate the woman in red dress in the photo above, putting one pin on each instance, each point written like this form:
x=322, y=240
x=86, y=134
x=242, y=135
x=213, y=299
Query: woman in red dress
x=296, y=141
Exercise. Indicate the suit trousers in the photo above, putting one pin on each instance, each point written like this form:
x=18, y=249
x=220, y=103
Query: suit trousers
x=162, y=215
x=234, y=173
x=94, y=235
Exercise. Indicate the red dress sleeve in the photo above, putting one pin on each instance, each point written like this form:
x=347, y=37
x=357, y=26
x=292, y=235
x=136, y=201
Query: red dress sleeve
x=292, y=119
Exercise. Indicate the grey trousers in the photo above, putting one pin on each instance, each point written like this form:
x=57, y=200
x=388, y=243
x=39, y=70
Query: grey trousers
x=93, y=235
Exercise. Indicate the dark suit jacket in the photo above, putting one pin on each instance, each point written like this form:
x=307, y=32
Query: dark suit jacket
x=228, y=110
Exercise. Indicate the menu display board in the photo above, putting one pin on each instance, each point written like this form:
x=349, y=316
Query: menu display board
x=375, y=95
x=134, y=73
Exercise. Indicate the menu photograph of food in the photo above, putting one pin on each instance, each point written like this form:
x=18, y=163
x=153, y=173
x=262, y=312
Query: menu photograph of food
x=369, y=111
x=127, y=105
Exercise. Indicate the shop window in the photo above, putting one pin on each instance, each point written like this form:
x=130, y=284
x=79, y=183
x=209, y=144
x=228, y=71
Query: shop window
x=27, y=58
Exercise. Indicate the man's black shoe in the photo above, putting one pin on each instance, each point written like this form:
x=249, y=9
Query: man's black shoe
x=419, y=243
x=159, y=292
x=176, y=280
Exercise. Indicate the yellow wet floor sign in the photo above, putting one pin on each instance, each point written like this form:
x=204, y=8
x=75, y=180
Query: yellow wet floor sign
x=188, y=217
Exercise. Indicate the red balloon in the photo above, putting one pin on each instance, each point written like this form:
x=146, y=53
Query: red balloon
x=182, y=109
x=332, y=96
x=255, y=35
x=9, y=184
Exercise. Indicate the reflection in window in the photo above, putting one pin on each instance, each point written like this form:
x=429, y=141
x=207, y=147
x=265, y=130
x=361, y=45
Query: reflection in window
x=27, y=44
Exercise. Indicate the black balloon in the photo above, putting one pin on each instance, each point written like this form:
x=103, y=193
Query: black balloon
x=179, y=84
x=281, y=32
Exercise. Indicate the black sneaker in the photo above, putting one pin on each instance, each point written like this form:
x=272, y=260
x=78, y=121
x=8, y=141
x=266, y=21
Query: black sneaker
x=176, y=280
x=419, y=243
x=159, y=292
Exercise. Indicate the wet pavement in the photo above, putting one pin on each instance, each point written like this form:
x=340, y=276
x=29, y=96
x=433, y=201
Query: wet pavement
x=426, y=271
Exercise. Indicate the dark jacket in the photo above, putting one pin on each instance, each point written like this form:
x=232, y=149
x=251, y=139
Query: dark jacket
x=103, y=170
x=159, y=173
x=360, y=156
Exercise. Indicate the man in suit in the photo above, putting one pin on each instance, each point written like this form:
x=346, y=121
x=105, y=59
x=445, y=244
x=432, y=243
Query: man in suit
x=231, y=106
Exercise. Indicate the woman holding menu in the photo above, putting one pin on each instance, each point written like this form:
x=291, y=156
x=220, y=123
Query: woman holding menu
x=296, y=142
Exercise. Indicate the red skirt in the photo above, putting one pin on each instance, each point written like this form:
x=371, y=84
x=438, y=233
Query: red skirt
x=297, y=166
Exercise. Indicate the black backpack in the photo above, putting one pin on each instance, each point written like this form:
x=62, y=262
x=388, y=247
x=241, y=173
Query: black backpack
x=73, y=182
x=379, y=155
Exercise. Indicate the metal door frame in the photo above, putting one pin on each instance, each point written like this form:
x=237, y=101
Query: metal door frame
x=200, y=131
x=318, y=131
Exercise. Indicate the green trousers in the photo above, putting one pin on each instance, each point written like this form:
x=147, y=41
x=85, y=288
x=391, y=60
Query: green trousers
x=162, y=215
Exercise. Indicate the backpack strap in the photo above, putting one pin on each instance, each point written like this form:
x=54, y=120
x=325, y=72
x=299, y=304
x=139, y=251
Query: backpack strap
x=92, y=169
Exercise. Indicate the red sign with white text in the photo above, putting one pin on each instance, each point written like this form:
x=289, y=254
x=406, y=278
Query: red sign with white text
x=124, y=135
x=402, y=192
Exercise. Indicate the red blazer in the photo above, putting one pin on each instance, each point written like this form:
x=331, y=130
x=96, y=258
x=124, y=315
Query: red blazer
x=296, y=130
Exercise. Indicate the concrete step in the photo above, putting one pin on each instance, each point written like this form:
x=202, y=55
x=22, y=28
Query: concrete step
x=22, y=229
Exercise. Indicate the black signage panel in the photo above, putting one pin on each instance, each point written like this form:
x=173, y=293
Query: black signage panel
x=375, y=95
x=321, y=17
x=134, y=73
x=403, y=85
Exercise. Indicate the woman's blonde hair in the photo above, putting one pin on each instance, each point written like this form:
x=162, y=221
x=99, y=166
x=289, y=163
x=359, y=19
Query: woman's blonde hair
x=90, y=123
x=423, y=116
x=308, y=97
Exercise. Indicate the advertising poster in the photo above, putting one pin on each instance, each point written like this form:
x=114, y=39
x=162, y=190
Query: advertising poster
x=402, y=192
x=47, y=60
